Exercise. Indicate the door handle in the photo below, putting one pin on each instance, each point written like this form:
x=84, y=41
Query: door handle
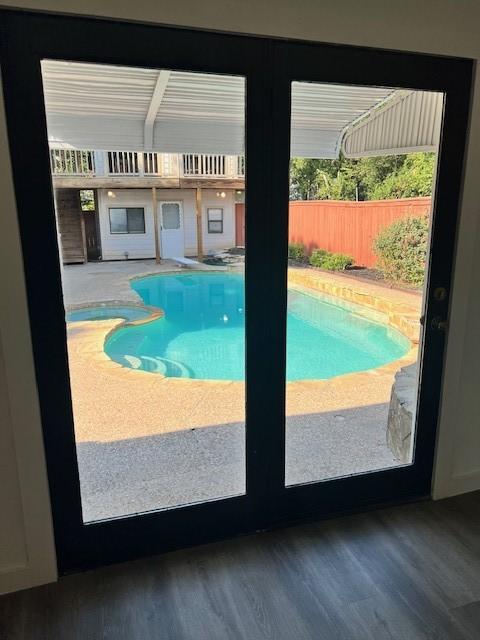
x=439, y=324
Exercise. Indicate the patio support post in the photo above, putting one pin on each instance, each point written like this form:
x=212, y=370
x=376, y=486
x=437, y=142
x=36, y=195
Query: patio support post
x=155, y=225
x=84, y=237
x=198, y=207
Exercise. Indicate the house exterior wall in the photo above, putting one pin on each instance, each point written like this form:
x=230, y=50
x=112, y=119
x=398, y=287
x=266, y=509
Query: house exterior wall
x=142, y=245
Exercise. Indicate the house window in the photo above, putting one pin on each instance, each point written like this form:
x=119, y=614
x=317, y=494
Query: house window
x=127, y=220
x=215, y=220
x=170, y=215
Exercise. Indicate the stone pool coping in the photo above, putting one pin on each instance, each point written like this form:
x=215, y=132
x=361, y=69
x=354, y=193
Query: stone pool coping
x=399, y=309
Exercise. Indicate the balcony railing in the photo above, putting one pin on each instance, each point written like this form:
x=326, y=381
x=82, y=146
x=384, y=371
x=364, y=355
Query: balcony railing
x=122, y=163
x=204, y=166
x=67, y=162
x=241, y=166
x=160, y=164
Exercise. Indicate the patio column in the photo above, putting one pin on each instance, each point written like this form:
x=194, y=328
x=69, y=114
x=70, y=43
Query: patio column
x=198, y=208
x=155, y=224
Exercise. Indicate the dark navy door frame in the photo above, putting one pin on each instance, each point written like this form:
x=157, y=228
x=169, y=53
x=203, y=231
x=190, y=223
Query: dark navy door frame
x=269, y=66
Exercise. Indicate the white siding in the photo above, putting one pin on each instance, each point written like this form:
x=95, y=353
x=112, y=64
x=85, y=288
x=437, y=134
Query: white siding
x=138, y=245
x=217, y=240
x=142, y=245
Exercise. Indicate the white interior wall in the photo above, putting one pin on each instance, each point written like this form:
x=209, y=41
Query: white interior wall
x=434, y=26
x=142, y=245
x=27, y=554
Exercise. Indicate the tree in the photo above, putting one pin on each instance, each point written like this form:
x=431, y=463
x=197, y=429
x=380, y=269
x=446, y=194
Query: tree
x=414, y=178
x=365, y=179
x=87, y=200
x=310, y=177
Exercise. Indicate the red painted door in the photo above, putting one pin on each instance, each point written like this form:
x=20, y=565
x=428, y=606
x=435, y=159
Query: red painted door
x=240, y=224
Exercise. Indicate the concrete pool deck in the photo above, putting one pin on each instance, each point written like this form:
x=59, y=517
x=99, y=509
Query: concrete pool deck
x=110, y=281
x=144, y=441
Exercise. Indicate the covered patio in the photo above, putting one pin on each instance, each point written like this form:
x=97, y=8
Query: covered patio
x=138, y=120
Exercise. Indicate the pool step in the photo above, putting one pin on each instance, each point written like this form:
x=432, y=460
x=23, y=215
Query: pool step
x=163, y=366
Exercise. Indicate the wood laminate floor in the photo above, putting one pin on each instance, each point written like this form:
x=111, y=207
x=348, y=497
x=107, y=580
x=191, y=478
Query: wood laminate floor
x=406, y=572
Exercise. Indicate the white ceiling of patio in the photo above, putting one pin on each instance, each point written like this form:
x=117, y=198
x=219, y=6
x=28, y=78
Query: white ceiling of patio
x=91, y=106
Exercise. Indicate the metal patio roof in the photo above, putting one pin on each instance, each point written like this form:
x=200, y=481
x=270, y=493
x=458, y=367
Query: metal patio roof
x=103, y=107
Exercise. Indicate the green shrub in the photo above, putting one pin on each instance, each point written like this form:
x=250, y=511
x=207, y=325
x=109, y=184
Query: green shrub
x=296, y=251
x=401, y=250
x=337, y=262
x=331, y=261
x=318, y=256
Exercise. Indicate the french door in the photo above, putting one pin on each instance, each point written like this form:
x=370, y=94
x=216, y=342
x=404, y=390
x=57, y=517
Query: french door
x=250, y=454
x=172, y=235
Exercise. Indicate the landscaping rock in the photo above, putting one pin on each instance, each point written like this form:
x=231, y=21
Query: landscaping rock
x=401, y=414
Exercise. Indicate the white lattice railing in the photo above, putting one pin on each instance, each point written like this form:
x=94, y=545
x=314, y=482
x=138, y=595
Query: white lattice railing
x=67, y=162
x=241, y=166
x=122, y=163
x=160, y=164
x=151, y=164
x=202, y=165
x=70, y=162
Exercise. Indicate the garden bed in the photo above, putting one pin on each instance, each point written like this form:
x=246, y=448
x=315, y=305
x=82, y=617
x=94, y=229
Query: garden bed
x=362, y=273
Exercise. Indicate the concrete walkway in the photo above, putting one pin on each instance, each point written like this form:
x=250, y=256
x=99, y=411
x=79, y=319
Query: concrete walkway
x=146, y=442
x=109, y=281
x=138, y=474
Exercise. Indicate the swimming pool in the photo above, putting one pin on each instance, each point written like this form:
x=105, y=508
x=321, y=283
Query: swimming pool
x=202, y=335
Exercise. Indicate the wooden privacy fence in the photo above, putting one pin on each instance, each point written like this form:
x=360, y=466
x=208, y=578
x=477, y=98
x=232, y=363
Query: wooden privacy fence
x=348, y=227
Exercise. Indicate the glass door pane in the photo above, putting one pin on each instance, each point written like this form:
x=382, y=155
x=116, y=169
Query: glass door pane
x=362, y=173
x=156, y=321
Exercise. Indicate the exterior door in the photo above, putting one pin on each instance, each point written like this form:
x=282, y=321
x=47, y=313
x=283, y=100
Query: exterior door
x=172, y=240
x=240, y=224
x=91, y=235
x=326, y=449
x=268, y=496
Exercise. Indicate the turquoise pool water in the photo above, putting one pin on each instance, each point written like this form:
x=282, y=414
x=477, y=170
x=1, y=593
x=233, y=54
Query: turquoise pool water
x=203, y=332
